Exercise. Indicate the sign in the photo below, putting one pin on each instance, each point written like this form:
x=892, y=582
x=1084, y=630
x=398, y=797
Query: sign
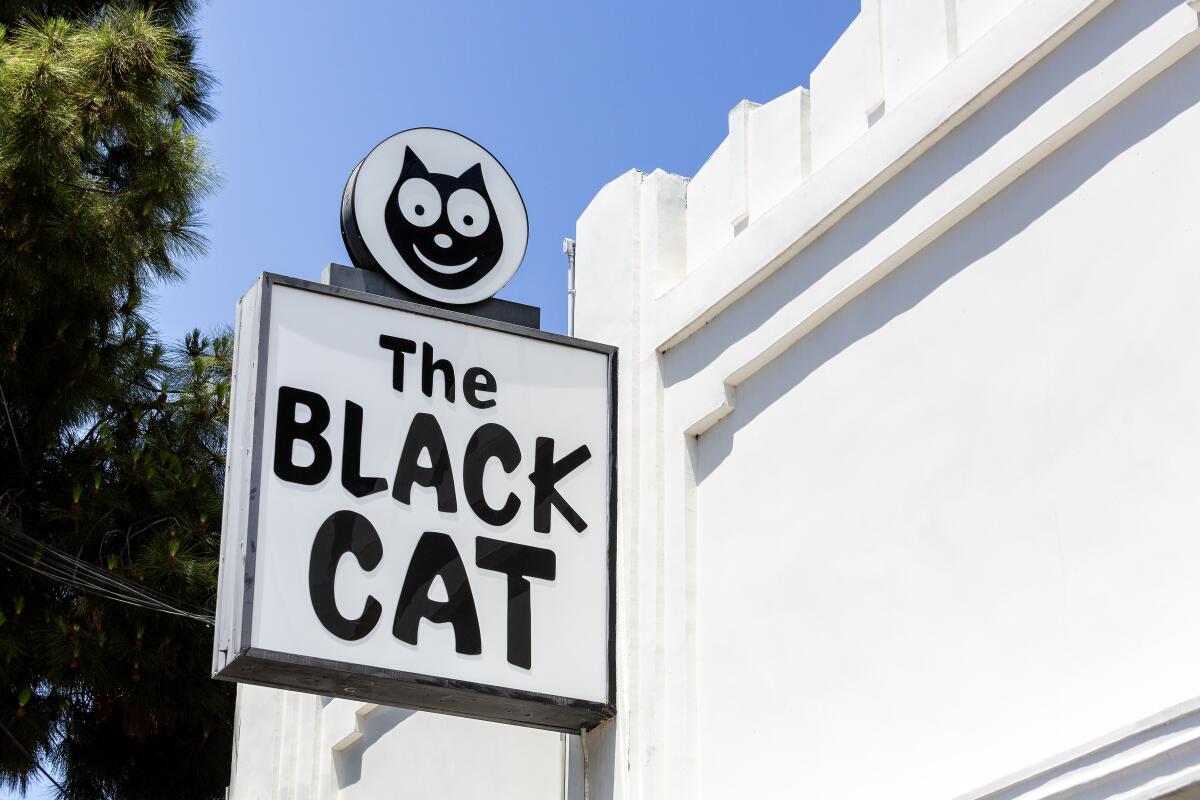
x=419, y=509
x=438, y=213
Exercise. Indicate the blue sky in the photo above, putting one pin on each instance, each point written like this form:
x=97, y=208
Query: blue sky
x=567, y=95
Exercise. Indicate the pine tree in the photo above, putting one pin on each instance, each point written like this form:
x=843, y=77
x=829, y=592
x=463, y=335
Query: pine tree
x=111, y=445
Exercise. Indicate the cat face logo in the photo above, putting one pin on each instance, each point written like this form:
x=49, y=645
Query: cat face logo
x=437, y=213
x=443, y=226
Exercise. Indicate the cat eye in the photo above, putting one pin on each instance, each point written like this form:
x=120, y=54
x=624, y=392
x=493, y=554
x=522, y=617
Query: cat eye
x=468, y=212
x=419, y=202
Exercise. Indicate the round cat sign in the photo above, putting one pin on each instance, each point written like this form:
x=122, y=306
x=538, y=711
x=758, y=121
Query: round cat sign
x=438, y=213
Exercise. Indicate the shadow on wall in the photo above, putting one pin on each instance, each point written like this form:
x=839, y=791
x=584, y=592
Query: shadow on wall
x=1055, y=179
x=347, y=763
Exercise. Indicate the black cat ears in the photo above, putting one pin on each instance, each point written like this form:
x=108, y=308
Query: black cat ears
x=414, y=167
x=473, y=176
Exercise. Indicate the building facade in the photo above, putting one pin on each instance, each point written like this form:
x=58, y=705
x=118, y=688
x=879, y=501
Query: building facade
x=909, y=442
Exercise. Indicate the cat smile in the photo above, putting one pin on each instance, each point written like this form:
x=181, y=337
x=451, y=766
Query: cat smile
x=445, y=269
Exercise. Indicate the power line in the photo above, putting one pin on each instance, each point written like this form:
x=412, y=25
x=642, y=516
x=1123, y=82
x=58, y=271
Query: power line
x=25, y=551
x=42, y=559
x=61, y=577
x=93, y=578
x=17, y=742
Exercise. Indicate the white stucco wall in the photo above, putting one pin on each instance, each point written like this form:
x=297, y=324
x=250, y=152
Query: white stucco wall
x=958, y=520
x=918, y=449
x=908, y=441
x=292, y=746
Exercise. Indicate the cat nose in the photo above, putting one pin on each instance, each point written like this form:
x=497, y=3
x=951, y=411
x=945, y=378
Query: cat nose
x=442, y=240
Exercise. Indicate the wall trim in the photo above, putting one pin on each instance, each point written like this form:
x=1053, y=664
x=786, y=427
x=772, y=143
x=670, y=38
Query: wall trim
x=1149, y=759
x=966, y=84
x=1068, y=115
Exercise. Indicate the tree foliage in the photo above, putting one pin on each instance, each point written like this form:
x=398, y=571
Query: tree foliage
x=111, y=445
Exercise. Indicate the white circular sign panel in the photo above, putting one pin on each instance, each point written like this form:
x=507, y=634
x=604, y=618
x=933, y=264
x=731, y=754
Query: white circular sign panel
x=438, y=213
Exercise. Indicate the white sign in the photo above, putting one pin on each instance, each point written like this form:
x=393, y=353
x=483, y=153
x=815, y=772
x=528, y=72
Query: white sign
x=418, y=509
x=438, y=213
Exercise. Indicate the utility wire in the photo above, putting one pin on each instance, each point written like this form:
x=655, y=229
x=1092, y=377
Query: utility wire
x=61, y=577
x=41, y=560
x=41, y=551
x=17, y=742
x=112, y=588
x=98, y=578
x=25, y=551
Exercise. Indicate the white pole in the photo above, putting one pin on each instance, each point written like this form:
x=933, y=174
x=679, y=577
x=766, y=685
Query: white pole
x=569, y=250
